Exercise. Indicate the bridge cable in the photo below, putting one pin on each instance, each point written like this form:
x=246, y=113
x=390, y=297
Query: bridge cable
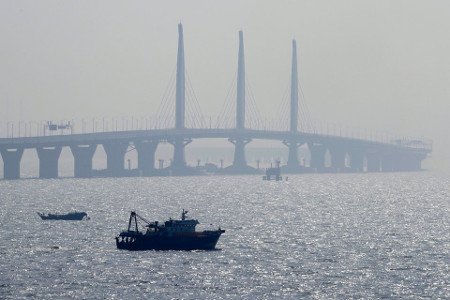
x=303, y=107
x=227, y=106
x=255, y=116
x=167, y=104
x=198, y=115
x=282, y=116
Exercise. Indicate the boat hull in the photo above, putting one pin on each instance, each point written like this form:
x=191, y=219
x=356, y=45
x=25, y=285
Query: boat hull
x=197, y=241
x=70, y=216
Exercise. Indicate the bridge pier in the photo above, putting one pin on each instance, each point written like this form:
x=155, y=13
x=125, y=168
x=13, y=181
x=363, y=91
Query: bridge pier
x=48, y=161
x=293, y=164
x=373, y=162
x=404, y=163
x=115, y=157
x=179, y=160
x=338, y=153
x=317, y=163
x=146, y=156
x=408, y=162
x=356, y=161
x=11, y=162
x=82, y=155
x=239, y=161
x=388, y=163
x=416, y=162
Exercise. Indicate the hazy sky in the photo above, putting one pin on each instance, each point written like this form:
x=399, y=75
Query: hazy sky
x=382, y=65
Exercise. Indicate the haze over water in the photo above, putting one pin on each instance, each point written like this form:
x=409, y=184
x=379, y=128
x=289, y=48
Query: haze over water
x=327, y=236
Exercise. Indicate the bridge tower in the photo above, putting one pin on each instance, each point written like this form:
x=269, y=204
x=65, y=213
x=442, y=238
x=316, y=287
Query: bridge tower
x=179, y=160
x=239, y=141
x=180, y=83
x=293, y=143
x=240, y=93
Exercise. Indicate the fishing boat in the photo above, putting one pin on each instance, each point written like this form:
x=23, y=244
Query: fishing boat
x=76, y=215
x=167, y=235
x=273, y=174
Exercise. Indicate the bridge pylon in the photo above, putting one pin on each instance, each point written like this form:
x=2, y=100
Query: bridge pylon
x=240, y=89
x=239, y=162
x=293, y=126
x=179, y=161
x=293, y=165
x=180, y=107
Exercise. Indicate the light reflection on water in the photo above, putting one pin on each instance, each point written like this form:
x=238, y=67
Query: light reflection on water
x=314, y=236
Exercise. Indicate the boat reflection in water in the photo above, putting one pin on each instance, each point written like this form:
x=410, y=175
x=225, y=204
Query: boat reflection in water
x=169, y=235
x=76, y=215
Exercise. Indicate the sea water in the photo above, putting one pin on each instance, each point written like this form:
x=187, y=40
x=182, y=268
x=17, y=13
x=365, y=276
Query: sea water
x=314, y=236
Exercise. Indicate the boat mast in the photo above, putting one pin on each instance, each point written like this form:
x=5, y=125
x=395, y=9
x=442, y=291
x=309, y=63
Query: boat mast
x=132, y=215
x=183, y=215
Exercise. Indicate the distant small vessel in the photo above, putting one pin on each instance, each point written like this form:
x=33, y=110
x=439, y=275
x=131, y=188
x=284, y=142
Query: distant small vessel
x=169, y=235
x=77, y=215
x=273, y=174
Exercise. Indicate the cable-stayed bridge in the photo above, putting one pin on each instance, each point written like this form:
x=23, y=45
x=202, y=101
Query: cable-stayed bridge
x=181, y=121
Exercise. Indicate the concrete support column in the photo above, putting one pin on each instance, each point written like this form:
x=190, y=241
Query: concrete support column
x=115, y=157
x=179, y=159
x=356, y=161
x=146, y=156
x=317, y=151
x=48, y=161
x=388, y=162
x=338, y=158
x=293, y=163
x=403, y=163
x=11, y=162
x=373, y=162
x=82, y=155
x=416, y=162
x=239, y=162
x=400, y=164
x=408, y=162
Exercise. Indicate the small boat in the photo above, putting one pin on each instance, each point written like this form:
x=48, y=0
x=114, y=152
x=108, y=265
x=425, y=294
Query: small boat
x=273, y=174
x=76, y=215
x=168, y=235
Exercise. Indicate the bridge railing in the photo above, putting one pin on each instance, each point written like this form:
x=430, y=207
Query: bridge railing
x=16, y=129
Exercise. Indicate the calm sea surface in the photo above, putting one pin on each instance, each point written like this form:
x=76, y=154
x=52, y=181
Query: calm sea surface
x=314, y=237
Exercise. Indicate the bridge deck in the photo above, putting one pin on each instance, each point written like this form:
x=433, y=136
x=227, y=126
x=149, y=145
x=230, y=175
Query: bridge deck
x=168, y=134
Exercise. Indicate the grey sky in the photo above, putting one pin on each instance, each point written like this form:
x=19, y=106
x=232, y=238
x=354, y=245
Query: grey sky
x=381, y=65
